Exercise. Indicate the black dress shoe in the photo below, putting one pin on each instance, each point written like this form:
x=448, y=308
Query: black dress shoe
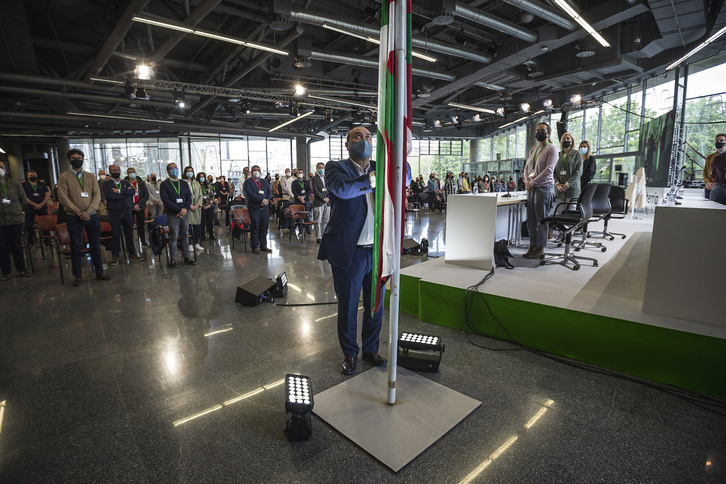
x=349, y=365
x=188, y=261
x=375, y=359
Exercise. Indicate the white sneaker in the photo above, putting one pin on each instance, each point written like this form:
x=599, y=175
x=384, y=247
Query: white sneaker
x=199, y=247
x=191, y=247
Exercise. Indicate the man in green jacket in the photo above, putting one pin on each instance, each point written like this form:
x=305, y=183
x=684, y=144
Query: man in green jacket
x=11, y=224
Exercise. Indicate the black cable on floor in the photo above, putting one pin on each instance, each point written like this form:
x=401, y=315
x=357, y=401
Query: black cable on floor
x=307, y=304
x=697, y=399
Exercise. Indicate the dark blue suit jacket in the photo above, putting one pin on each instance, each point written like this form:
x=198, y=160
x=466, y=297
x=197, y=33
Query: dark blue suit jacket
x=348, y=210
x=252, y=193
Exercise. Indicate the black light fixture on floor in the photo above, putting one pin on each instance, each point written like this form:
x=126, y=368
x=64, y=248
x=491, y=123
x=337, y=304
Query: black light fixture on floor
x=280, y=289
x=298, y=405
x=420, y=352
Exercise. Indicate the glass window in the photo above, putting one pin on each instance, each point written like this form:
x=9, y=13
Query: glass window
x=500, y=147
x=512, y=146
x=592, y=116
x=574, y=126
x=485, y=149
x=522, y=142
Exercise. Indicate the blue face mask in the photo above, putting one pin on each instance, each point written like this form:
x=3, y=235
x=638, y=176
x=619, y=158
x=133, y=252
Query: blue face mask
x=321, y=172
x=360, y=149
x=583, y=150
x=174, y=172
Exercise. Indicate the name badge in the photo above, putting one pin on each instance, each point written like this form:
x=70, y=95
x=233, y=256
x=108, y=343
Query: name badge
x=84, y=194
x=35, y=194
x=261, y=192
x=179, y=200
x=302, y=191
x=563, y=172
x=6, y=201
x=325, y=189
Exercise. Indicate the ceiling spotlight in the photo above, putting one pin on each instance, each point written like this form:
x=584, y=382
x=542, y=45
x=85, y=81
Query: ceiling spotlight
x=547, y=104
x=576, y=99
x=524, y=107
x=500, y=112
x=280, y=104
x=300, y=91
x=456, y=119
x=477, y=118
x=294, y=111
x=585, y=51
x=535, y=72
x=443, y=17
x=179, y=100
x=300, y=62
x=437, y=123
x=140, y=93
x=143, y=72
x=280, y=23
x=423, y=94
x=328, y=116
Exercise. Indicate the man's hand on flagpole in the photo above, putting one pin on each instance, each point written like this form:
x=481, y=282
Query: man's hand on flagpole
x=372, y=179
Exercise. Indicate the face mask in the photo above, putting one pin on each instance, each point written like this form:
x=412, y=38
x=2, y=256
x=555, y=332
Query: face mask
x=321, y=171
x=132, y=176
x=566, y=144
x=116, y=174
x=583, y=150
x=174, y=172
x=2, y=173
x=287, y=173
x=720, y=145
x=32, y=178
x=541, y=135
x=76, y=163
x=360, y=149
x=277, y=178
x=201, y=179
x=190, y=174
x=153, y=178
x=256, y=174
x=300, y=175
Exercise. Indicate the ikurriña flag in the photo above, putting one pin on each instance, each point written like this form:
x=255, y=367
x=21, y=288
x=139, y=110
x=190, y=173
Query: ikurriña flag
x=388, y=88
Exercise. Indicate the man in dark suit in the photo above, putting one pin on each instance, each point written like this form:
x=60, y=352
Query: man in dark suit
x=321, y=202
x=138, y=210
x=348, y=245
x=119, y=200
x=258, y=195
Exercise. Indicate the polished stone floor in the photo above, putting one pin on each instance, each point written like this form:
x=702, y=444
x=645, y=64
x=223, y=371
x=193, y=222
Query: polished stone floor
x=158, y=376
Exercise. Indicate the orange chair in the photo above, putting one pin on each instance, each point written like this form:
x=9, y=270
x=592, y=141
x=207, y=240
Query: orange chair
x=298, y=215
x=46, y=225
x=241, y=219
x=63, y=245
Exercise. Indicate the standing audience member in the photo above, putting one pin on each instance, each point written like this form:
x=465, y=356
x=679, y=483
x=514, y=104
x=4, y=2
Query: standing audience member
x=348, y=246
x=11, y=225
x=258, y=195
x=718, y=175
x=707, y=175
x=321, y=202
x=588, y=164
x=102, y=177
x=37, y=194
x=450, y=185
x=286, y=188
x=301, y=194
x=460, y=183
x=80, y=196
x=277, y=187
x=568, y=170
x=208, y=212
x=431, y=191
x=139, y=208
x=487, y=184
x=540, y=185
x=511, y=186
x=154, y=204
x=222, y=191
x=177, y=198
x=119, y=200
x=465, y=187
x=195, y=209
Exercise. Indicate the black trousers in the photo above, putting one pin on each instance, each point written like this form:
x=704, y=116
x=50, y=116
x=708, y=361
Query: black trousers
x=208, y=215
x=30, y=214
x=140, y=224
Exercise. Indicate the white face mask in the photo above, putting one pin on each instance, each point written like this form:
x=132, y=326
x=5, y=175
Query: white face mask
x=2, y=173
x=256, y=174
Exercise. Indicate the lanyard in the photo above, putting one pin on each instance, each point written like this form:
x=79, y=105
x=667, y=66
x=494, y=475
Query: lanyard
x=537, y=152
x=563, y=157
x=302, y=183
x=35, y=189
x=5, y=189
x=176, y=188
x=118, y=185
x=79, y=178
x=259, y=184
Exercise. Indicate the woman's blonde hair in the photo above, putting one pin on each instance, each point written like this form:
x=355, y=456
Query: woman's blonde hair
x=563, y=137
x=589, y=149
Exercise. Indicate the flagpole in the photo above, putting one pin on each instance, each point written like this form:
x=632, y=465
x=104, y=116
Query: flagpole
x=399, y=25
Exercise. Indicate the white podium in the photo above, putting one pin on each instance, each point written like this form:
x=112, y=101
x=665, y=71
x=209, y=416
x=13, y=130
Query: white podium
x=470, y=230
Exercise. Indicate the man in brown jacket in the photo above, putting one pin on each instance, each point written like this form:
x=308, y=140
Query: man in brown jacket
x=11, y=224
x=79, y=194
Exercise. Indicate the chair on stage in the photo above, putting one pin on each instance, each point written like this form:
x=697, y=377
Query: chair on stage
x=619, y=206
x=568, y=221
x=600, y=210
x=240, y=225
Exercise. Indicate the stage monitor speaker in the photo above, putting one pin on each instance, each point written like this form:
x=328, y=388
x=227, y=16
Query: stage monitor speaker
x=251, y=293
x=410, y=244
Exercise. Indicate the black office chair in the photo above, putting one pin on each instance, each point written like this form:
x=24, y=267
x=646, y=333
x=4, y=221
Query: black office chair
x=568, y=221
x=618, y=210
x=600, y=210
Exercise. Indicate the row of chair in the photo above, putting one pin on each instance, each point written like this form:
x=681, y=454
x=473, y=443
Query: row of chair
x=598, y=202
x=295, y=215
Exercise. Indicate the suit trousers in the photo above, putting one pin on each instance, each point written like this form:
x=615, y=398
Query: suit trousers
x=208, y=215
x=11, y=240
x=322, y=216
x=121, y=220
x=348, y=284
x=178, y=226
x=259, y=224
x=30, y=214
x=140, y=219
x=93, y=235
